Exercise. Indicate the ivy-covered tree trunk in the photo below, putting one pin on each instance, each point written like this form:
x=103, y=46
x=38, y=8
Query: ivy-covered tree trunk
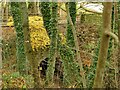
x=71, y=73
x=53, y=45
x=104, y=45
x=46, y=13
x=17, y=17
x=31, y=55
x=70, y=37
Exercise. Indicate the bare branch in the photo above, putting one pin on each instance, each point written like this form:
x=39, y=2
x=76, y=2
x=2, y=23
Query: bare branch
x=113, y=36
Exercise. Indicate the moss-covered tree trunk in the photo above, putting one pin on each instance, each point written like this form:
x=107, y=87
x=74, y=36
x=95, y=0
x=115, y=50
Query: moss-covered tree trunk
x=53, y=45
x=46, y=13
x=70, y=37
x=31, y=55
x=17, y=17
x=104, y=45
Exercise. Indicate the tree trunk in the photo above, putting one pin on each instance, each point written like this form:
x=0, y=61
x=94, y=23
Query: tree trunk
x=119, y=44
x=17, y=17
x=104, y=45
x=76, y=46
x=5, y=6
x=46, y=14
x=70, y=37
x=0, y=48
x=53, y=45
x=71, y=73
x=31, y=55
x=33, y=8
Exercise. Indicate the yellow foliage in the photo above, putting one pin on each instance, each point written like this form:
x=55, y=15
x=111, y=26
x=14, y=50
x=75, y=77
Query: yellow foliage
x=63, y=39
x=39, y=37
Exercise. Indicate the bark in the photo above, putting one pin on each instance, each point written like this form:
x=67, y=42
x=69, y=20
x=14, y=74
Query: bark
x=31, y=55
x=0, y=48
x=53, y=45
x=104, y=45
x=33, y=8
x=119, y=44
x=5, y=6
x=76, y=46
x=20, y=54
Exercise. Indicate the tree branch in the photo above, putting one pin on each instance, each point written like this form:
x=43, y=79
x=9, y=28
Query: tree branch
x=113, y=36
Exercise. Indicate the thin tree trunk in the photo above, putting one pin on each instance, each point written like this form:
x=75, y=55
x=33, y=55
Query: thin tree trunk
x=119, y=44
x=72, y=11
x=104, y=45
x=5, y=14
x=53, y=45
x=0, y=47
x=76, y=46
x=17, y=17
x=114, y=55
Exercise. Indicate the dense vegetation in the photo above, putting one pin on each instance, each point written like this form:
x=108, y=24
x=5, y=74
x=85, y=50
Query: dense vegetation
x=60, y=45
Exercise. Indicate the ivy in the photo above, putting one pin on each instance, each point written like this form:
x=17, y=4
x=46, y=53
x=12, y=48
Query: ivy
x=46, y=13
x=53, y=44
x=70, y=68
x=17, y=16
x=91, y=74
x=72, y=10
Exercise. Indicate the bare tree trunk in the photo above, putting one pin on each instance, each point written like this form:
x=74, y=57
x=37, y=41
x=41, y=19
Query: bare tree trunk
x=5, y=14
x=119, y=44
x=104, y=45
x=76, y=46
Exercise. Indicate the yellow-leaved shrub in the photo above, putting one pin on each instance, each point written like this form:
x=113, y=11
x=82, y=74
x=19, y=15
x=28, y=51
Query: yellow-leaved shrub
x=38, y=35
